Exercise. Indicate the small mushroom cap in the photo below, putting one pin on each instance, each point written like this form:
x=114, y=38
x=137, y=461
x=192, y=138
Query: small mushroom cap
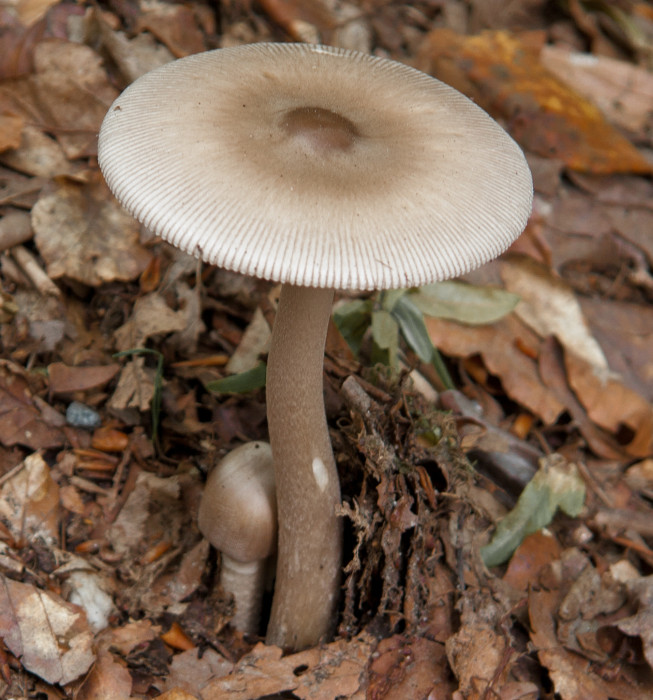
x=315, y=166
x=238, y=512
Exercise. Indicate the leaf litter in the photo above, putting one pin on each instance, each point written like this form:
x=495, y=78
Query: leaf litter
x=108, y=589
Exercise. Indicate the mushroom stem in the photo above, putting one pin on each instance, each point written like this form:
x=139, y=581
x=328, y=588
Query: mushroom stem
x=308, y=489
x=245, y=581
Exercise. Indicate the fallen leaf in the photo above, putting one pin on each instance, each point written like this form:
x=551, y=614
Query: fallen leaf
x=549, y=306
x=405, y=667
x=82, y=233
x=322, y=673
x=173, y=25
x=621, y=90
x=49, y=636
x=109, y=679
x=557, y=484
x=150, y=316
x=532, y=555
x=254, y=343
x=64, y=379
x=612, y=405
x=503, y=74
x=189, y=671
x=11, y=129
x=499, y=346
x=72, y=93
x=21, y=421
x=29, y=502
x=465, y=303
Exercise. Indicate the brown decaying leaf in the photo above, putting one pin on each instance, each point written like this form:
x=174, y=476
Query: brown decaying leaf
x=190, y=671
x=29, y=502
x=49, y=636
x=533, y=554
x=174, y=25
x=623, y=91
x=549, y=306
x=151, y=316
x=322, y=673
x=84, y=234
x=499, y=346
x=64, y=379
x=613, y=406
x=21, y=422
x=504, y=75
x=109, y=679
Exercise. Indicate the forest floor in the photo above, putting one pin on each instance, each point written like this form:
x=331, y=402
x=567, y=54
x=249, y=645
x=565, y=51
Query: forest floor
x=107, y=588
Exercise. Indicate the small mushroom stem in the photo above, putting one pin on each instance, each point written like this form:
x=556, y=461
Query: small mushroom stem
x=308, y=489
x=245, y=581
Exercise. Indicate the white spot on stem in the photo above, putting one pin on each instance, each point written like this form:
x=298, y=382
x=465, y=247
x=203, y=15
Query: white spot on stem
x=320, y=473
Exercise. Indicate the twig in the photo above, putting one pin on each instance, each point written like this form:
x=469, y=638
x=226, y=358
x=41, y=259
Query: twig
x=29, y=264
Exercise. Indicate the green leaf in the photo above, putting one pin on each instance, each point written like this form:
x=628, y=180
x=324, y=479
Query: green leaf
x=463, y=302
x=390, y=297
x=240, y=383
x=352, y=319
x=556, y=485
x=411, y=322
x=385, y=333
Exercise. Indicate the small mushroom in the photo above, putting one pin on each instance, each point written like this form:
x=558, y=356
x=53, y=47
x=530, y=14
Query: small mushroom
x=238, y=516
x=322, y=169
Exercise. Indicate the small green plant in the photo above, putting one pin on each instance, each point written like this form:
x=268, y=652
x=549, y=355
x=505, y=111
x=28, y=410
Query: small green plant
x=240, y=383
x=401, y=312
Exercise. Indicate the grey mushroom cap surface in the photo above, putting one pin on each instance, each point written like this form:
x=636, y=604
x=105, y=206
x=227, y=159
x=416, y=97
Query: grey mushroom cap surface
x=315, y=166
x=322, y=169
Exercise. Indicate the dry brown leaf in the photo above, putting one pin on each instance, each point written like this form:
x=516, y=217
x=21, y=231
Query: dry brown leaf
x=532, y=555
x=131, y=635
x=29, y=502
x=625, y=331
x=72, y=92
x=31, y=11
x=621, y=90
x=504, y=75
x=499, y=346
x=555, y=377
x=177, y=694
x=151, y=316
x=324, y=673
x=11, y=129
x=21, y=421
x=134, y=56
x=405, y=667
x=135, y=387
x=570, y=673
x=549, y=306
x=612, y=405
x=82, y=233
x=188, y=578
x=49, y=636
x=64, y=379
x=108, y=680
x=255, y=342
x=173, y=25
x=189, y=671
x=476, y=651
x=37, y=154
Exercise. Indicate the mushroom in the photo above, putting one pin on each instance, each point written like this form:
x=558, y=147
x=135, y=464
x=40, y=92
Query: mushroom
x=322, y=169
x=238, y=516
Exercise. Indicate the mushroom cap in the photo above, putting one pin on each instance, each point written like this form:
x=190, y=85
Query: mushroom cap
x=315, y=166
x=238, y=511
